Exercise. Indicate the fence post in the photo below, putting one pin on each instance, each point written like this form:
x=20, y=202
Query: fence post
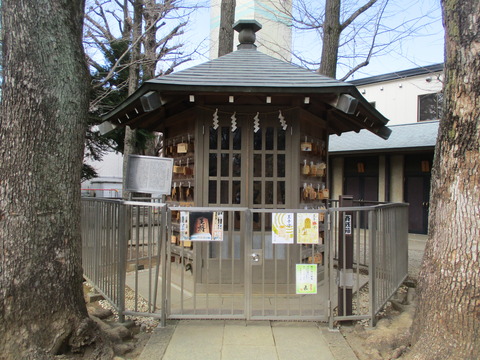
x=372, y=226
x=97, y=225
x=159, y=262
x=329, y=246
x=248, y=236
x=166, y=225
x=345, y=258
x=122, y=248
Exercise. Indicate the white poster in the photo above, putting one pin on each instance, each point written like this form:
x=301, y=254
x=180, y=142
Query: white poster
x=282, y=228
x=184, y=226
x=217, y=226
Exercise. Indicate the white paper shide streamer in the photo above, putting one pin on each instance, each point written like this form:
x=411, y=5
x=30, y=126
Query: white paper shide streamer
x=256, y=123
x=234, y=122
x=282, y=120
x=215, y=119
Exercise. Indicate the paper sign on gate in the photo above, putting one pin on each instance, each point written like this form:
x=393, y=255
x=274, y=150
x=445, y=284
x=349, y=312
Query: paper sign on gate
x=282, y=228
x=306, y=278
x=217, y=226
x=201, y=226
x=184, y=226
x=307, y=228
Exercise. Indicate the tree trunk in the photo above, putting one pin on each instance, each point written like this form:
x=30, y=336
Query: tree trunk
x=149, y=64
x=331, y=39
x=42, y=128
x=447, y=321
x=226, y=32
x=133, y=81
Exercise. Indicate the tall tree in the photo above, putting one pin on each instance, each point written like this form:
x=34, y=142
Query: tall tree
x=332, y=28
x=447, y=321
x=150, y=29
x=42, y=128
x=133, y=83
x=351, y=32
x=226, y=32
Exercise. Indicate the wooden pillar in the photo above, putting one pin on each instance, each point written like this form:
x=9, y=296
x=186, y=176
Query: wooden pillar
x=345, y=257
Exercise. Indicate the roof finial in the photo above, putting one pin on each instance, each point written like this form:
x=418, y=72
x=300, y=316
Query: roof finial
x=246, y=33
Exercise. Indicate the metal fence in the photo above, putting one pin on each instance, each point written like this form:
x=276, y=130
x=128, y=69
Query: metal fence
x=120, y=237
x=368, y=258
x=389, y=255
x=130, y=253
x=103, y=255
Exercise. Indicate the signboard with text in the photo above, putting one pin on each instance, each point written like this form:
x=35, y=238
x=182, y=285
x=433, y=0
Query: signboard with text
x=149, y=174
x=348, y=224
x=306, y=278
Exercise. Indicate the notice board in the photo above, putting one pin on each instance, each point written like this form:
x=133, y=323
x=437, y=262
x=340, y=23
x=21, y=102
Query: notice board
x=149, y=174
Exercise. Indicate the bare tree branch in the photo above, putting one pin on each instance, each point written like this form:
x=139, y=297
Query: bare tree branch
x=357, y=13
x=370, y=52
x=362, y=34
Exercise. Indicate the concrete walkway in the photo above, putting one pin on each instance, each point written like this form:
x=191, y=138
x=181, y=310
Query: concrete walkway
x=246, y=340
x=257, y=340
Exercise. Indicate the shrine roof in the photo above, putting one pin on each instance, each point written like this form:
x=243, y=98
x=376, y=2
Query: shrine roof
x=247, y=71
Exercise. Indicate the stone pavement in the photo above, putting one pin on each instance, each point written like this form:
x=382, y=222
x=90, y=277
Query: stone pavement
x=246, y=340
x=257, y=340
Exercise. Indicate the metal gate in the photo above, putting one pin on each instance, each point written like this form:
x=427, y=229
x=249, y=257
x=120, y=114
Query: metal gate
x=279, y=285
x=247, y=274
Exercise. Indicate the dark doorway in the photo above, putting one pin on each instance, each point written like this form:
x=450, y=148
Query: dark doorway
x=361, y=181
x=417, y=191
x=361, y=178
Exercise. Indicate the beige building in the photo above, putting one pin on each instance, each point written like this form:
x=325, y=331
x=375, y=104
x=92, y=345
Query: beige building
x=397, y=169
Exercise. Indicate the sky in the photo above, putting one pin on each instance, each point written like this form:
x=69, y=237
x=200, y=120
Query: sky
x=423, y=47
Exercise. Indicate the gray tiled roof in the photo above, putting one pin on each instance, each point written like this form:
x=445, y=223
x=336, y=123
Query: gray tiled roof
x=248, y=71
x=435, y=68
x=414, y=135
x=250, y=68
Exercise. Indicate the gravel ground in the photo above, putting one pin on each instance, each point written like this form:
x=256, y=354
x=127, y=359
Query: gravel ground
x=389, y=339
x=146, y=324
x=416, y=248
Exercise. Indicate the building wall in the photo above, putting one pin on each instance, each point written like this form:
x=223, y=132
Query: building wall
x=397, y=99
x=110, y=174
x=390, y=178
x=275, y=37
x=382, y=179
x=396, y=178
x=337, y=164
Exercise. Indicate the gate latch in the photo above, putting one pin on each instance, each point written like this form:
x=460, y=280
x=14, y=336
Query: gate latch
x=257, y=257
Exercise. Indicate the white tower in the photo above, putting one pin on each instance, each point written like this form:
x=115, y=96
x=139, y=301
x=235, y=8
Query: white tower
x=275, y=38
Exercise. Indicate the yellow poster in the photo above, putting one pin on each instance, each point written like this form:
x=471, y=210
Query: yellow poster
x=282, y=228
x=307, y=228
